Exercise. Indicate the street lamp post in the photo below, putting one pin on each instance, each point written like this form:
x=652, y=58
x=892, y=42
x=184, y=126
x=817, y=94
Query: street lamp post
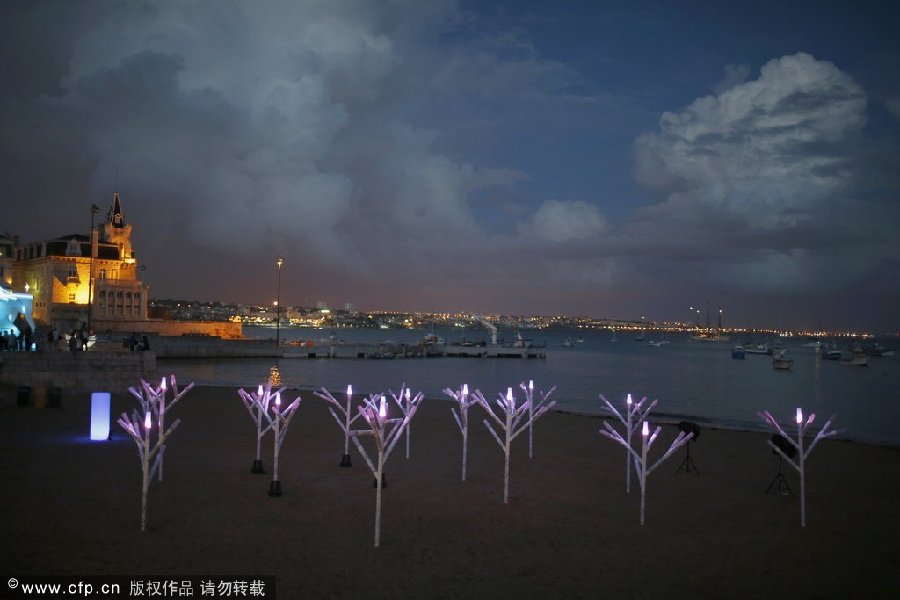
x=278, y=262
x=94, y=210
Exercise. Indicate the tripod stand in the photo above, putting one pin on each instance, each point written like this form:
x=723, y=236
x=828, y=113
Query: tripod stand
x=687, y=465
x=779, y=483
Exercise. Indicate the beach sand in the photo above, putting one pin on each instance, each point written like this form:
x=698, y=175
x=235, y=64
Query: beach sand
x=70, y=506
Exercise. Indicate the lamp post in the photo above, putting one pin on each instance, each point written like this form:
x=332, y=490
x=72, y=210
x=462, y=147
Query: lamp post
x=278, y=262
x=94, y=210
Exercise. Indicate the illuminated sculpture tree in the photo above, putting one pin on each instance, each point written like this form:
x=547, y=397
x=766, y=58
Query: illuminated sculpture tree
x=631, y=424
x=385, y=432
x=800, y=465
x=258, y=406
x=279, y=420
x=529, y=393
x=404, y=403
x=512, y=424
x=139, y=426
x=640, y=460
x=345, y=421
x=465, y=400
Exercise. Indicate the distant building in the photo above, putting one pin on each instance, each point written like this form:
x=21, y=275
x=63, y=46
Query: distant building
x=62, y=273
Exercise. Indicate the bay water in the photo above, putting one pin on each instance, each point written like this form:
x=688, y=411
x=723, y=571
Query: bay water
x=692, y=380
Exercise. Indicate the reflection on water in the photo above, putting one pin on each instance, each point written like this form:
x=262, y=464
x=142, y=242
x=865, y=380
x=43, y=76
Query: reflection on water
x=275, y=376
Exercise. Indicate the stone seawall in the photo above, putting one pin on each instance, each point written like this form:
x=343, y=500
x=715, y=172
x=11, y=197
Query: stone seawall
x=107, y=370
x=227, y=330
x=207, y=346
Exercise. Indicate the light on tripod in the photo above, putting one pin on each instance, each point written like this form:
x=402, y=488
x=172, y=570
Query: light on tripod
x=687, y=465
x=779, y=483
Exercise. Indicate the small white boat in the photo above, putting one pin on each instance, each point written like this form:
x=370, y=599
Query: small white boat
x=855, y=359
x=710, y=337
x=757, y=349
x=782, y=361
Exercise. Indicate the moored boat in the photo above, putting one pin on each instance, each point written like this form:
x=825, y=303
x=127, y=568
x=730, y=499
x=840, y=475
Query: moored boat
x=855, y=359
x=757, y=349
x=738, y=352
x=877, y=349
x=781, y=360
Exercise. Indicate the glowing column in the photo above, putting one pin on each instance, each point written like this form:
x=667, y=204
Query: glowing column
x=100, y=416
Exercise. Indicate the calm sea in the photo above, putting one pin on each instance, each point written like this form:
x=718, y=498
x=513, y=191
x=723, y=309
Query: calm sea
x=698, y=381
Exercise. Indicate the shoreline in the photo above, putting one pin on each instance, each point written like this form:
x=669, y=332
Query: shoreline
x=655, y=417
x=569, y=529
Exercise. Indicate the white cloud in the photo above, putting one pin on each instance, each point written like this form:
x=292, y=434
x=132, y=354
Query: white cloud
x=562, y=221
x=758, y=164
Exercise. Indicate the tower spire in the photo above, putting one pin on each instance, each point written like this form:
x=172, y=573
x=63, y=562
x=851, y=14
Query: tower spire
x=116, y=217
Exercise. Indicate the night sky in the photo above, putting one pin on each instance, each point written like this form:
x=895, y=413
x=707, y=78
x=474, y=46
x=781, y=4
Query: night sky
x=583, y=158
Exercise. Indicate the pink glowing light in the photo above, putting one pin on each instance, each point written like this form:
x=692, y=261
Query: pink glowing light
x=147, y=421
x=799, y=416
x=509, y=396
x=407, y=394
x=382, y=409
x=530, y=385
x=465, y=390
x=349, y=390
x=645, y=430
x=259, y=391
x=277, y=399
x=628, y=400
x=162, y=384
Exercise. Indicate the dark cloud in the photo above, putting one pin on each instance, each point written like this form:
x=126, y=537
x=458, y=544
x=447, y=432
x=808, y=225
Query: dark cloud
x=409, y=154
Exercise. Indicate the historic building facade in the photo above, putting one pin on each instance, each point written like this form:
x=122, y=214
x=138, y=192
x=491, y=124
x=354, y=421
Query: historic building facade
x=64, y=274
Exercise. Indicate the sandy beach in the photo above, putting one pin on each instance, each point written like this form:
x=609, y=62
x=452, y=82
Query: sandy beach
x=71, y=506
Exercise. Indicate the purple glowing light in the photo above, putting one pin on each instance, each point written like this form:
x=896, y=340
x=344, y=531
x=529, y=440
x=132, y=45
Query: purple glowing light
x=100, y=416
x=645, y=429
x=628, y=400
x=147, y=421
x=465, y=389
x=162, y=384
x=382, y=409
x=259, y=391
x=799, y=416
x=530, y=385
x=509, y=396
x=349, y=390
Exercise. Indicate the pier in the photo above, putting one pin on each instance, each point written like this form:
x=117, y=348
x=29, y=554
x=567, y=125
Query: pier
x=200, y=346
x=393, y=350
